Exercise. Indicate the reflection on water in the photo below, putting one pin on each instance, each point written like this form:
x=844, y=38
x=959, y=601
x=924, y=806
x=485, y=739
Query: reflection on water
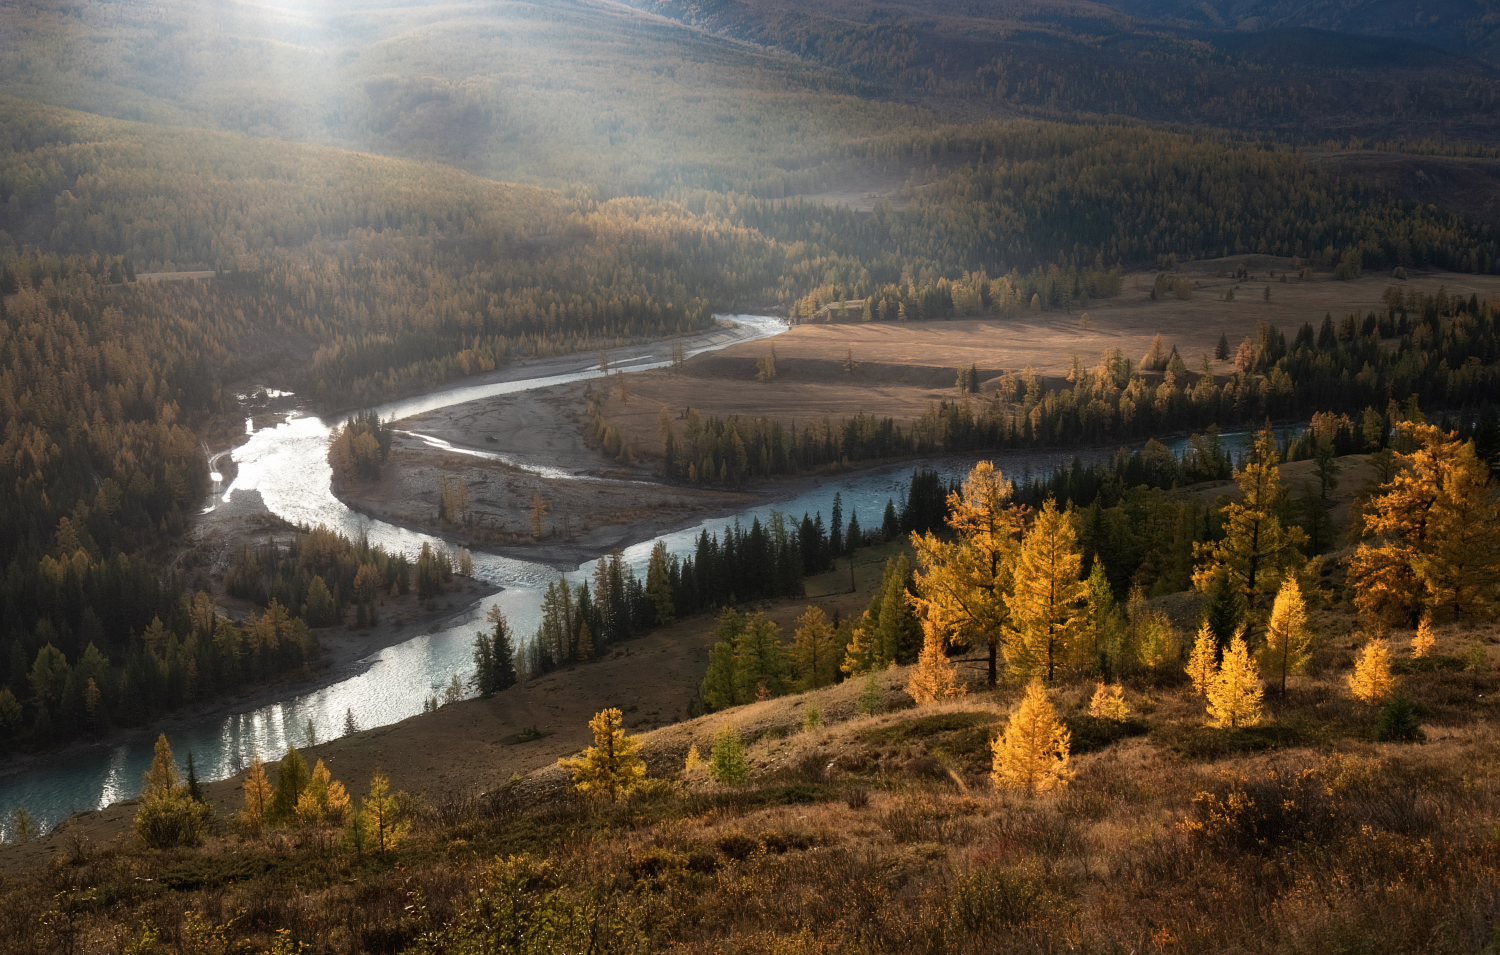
x=287, y=465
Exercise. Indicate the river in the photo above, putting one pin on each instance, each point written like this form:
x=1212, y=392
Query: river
x=287, y=466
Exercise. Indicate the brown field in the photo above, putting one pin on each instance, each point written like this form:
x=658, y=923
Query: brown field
x=900, y=368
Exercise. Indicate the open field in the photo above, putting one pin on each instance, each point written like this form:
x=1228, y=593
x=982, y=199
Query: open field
x=901, y=368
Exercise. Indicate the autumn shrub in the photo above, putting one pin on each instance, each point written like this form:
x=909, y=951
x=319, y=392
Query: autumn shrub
x=737, y=845
x=984, y=901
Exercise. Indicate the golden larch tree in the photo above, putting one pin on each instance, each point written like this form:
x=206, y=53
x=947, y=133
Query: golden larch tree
x=1047, y=611
x=1203, y=661
x=1431, y=535
x=257, y=796
x=1032, y=754
x=1423, y=640
x=934, y=678
x=1109, y=703
x=612, y=767
x=961, y=584
x=1371, y=680
x=380, y=815
x=1287, y=636
x=1235, y=693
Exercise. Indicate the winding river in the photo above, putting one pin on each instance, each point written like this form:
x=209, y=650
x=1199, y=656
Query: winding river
x=287, y=466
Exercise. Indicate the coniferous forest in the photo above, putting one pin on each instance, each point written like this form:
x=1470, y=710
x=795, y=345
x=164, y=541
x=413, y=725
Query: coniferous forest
x=1154, y=698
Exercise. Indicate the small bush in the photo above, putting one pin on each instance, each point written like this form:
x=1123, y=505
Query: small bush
x=857, y=798
x=170, y=818
x=982, y=901
x=737, y=845
x=1398, y=722
x=1092, y=733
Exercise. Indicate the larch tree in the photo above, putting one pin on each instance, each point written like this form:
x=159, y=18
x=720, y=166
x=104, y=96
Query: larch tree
x=1257, y=548
x=612, y=767
x=1371, y=680
x=380, y=818
x=816, y=652
x=761, y=666
x=1046, y=608
x=659, y=584
x=1203, y=662
x=1108, y=703
x=934, y=678
x=168, y=816
x=1234, y=693
x=1287, y=636
x=1031, y=755
x=1423, y=640
x=961, y=584
x=726, y=761
x=1103, y=624
x=1431, y=534
x=257, y=791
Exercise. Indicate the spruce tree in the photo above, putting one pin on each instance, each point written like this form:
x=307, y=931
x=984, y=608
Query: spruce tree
x=1223, y=610
x=194, y=793
x=291, y=779
x=1031, y=755
x=1257, y=549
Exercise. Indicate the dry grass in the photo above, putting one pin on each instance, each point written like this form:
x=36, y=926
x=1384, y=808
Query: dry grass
x=882, y=834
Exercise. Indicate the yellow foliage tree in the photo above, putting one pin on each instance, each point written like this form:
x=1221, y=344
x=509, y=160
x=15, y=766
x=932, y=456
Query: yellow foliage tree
x=1046, y=608
x=1371, y=680
x=1423, y=641
x=934, y=679
x=257, y=796
x=612, y=767
x=324, y=800
x=1287, y=637
x=1032, y=754
x=1234, y=693
x=168, y=816
x=1109, y=703
x=1203, y=662
x=961, y=584
x=1431, y=534
x=380, y=816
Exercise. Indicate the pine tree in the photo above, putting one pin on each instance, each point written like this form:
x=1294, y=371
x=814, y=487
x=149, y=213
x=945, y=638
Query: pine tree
x=1423, y=641
x=1109, y=703
x=194, y=793
x=1223, y=610
x=659, y=585
x=1257, y=549
x=1032, y=754
x=760, y=660
x=1046, y=608
x=1371, y=680
x=257, y=811
x=726, y=762
x=1234, y=693
x=291, y=779
x=815, y=653
x=961, y=585
x=1204, y=661
x=612, y=767
x=934, y=679
x=381, y=815
x=1287, y=636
